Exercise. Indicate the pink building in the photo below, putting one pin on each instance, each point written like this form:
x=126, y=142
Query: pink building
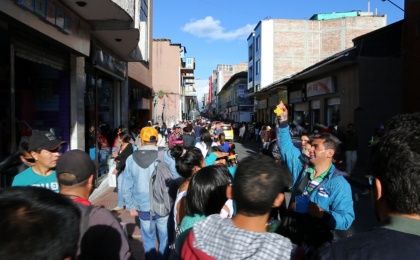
x=166, y=66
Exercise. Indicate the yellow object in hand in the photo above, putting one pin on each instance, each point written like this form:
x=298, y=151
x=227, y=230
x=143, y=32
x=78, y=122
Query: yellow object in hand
x=278, y=111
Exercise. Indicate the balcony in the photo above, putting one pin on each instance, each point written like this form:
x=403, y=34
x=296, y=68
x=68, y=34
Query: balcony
x=188, y=64
x=112, y=23
x=188, y=76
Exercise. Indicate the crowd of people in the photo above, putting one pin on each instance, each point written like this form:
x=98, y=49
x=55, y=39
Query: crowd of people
x=194, y=200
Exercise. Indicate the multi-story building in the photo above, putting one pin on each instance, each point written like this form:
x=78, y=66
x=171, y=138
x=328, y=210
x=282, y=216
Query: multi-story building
x=219, y=77
x=64, y=67
x=278, y=48
x=235, y=103
x=189, y=93
x=167, y=87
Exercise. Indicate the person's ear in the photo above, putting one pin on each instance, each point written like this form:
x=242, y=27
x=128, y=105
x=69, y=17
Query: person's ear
x=90, y=180
x=34, y=155
x=330, y=153
x=378, y=189
x=229, y=193
x=278, y=200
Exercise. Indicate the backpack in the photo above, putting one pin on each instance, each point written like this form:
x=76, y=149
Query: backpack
x=160, y=201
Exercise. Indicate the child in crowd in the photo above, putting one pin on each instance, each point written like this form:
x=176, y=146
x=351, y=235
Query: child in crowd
x=258, y=186
x=206, y=195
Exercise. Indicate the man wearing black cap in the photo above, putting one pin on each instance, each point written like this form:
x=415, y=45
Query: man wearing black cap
x=75, y=174
x=44, y=148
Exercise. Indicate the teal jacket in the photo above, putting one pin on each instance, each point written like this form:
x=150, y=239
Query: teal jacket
x=334, y=194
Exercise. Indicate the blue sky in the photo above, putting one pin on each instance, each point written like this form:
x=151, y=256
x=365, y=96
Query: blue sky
x=215, y=31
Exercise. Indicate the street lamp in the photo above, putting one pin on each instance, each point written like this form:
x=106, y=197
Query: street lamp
x=394, y=4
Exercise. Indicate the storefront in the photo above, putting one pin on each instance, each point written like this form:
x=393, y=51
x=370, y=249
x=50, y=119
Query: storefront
x=35, y=90
x=105, y=79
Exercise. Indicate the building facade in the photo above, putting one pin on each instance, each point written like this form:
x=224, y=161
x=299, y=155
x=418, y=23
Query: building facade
x=64, y=68
x=167, y=89
x=361, y=85
x=278, y=48
x=235, y=103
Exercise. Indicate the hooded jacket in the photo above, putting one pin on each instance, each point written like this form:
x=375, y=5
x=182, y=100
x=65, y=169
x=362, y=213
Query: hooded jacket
x=136, y=177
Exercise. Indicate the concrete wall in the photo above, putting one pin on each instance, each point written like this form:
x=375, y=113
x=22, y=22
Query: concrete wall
x=166, y=78
x=301, y=43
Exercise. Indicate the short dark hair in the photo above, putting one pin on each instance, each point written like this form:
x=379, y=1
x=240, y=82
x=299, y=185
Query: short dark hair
x=186, y=162
x=206, y=193
x=396, y=163
x=257, y=182
x=37, y=223
x=330, y=141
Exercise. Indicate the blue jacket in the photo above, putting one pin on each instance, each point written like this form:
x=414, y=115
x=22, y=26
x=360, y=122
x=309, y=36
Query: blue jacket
x=334, y=194
x=139, y=168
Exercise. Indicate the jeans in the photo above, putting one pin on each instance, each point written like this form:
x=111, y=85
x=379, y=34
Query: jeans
x=148, y=230
x=120, y=200
x=103, y=161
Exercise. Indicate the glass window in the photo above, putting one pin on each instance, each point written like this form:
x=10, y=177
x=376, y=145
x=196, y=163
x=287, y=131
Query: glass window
x=333, y=111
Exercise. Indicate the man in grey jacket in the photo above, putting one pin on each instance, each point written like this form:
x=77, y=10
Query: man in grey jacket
x=139, y=168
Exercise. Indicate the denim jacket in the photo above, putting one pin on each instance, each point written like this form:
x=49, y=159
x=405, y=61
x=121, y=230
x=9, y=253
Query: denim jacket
x=139, y=168
x=333, y=195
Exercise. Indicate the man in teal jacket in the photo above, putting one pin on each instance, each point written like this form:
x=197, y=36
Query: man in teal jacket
x=321, y=196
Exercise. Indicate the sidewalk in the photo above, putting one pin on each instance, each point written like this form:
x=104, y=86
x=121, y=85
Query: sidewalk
x=106, y=197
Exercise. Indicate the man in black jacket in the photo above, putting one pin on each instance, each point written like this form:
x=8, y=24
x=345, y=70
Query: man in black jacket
x=396, y=165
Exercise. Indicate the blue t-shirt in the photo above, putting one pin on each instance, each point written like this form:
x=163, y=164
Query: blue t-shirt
x=29, y=178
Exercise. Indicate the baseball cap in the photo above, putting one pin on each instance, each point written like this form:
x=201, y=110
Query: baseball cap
x=147, y=132
x=43, y=140
x=77, y=166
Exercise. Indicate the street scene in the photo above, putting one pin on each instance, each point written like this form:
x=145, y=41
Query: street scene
x=144, y=129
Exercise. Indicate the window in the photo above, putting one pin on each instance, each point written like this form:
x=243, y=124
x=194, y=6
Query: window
x=257, y=67
x=250, y=52
x=250, y=74
x=257, y=43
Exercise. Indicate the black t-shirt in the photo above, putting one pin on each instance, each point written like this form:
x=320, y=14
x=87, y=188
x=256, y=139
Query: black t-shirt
x=381, y=243
x=188, y=140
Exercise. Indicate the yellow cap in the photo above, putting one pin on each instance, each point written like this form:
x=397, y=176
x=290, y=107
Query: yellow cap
x=147, y=132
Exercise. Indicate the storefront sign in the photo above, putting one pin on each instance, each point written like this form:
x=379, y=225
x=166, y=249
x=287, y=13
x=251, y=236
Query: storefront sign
x=295, y=97
x=320, y=87
x=52, y=12
x=108, y=62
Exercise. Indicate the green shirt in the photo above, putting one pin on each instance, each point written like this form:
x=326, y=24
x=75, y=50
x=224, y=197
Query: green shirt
x=315, y=181
x=29, y=178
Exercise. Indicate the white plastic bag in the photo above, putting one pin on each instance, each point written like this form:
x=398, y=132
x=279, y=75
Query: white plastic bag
x=112, y=178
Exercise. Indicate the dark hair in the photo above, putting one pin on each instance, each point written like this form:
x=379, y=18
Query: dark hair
x=186, y=162
x=330, y=141
x=176, y=151
x=205, y=137
x=126, y=138
x=396, y=163
x=206, y=193
x=221, y=134
x=37, y=223
x=257, y=182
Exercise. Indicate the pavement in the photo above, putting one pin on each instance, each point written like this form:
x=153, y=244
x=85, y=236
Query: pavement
x=106, y=196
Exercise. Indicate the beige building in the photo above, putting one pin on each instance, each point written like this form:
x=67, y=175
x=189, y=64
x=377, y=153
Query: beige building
x=166, y=80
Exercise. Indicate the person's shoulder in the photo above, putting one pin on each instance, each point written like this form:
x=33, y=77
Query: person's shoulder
x=376, y=242
x=100, y=216
x=23, y=176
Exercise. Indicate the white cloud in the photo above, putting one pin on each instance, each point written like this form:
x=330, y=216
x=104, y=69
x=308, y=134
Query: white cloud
x=210, y=28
